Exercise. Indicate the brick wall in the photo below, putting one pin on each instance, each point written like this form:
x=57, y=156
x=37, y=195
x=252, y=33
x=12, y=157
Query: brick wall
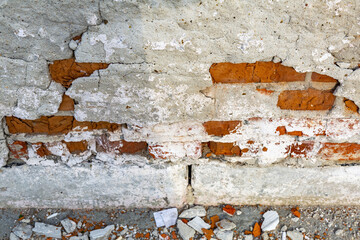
x=144, y=90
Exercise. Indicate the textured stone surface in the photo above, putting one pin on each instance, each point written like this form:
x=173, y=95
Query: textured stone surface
x=216, y=183
x=115, y=186
x=33, y=29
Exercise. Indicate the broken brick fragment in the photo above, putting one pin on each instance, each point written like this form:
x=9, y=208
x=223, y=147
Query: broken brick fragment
x=208, y=233
x=300, y=149
x=67, y=70
x=220, y=128
x=214, y=219
x=67, y=103
x=256, y=230
x=18, y=150
x=228, y=149
x=350, y=105
x=310, y=99
x=259, y=72
x=77, y=147
x=295, y=212
x=316, y=77
x=229, y=210
x=281, y=130
x=41, y=149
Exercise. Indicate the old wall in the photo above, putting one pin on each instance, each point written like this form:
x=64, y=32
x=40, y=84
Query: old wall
x=108, y=103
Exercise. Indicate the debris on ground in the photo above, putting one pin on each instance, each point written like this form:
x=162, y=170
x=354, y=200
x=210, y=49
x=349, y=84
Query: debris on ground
x=166, y=217
x=192, y=222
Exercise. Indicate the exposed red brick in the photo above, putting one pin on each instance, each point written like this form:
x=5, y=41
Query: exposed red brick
x=259, y=72
x=264, y=91
x=67, y=104
x=350, y=105
x=315, y=77
x=340, y=151
x=41, y=149
x=49, y=125
x=310, y=99
x=67, y=70
x=256, y=230
x=300, y=149
x=281, y=130
x=77, y=147
x=18, y=150
x=220, y=128
x=133, y=147
x=229, y=149
x=295, y=133
x=88, y=126
x=229, y=210
x=55, y=125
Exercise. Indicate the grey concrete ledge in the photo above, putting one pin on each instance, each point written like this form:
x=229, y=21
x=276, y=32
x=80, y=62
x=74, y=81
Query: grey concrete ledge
x=96, y=186
x=217, y=183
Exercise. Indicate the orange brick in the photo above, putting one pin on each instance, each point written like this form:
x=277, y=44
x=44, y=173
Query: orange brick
x=350, y=105
x=316, y=77
x=300, y=149
x=259, y=72
x=310, y=99
x=228, y=149
x=77, y=147
x=67, y=104
x=220, y=128
x=67, y=70
x=340, y=151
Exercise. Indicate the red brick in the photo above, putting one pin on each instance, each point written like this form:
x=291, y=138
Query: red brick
x=351, y=106
x=67, y=70
x=259, y=72
x=228, y=149
x=300, y=149
x=119, y=147
x=315, y=77
x=340, y=151
x=221, y=128
x=310, y=99
x=67, y=104
x=41, y=149
x=18, y=150
x=77, y=147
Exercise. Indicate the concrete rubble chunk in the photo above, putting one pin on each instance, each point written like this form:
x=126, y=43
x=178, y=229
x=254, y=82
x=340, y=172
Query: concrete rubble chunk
x=166, y=217
x=185, y=231
x=13, y=237
x=47, y=230
x=198, y=224
x=295, y=235
x=197, y=211
x=68, y=225
x=225, y=225
x=23, y=231
x=271, y=220
x=223, y=235
x=283, y=236
x=101, y=234
x=84, y=237
x=248, y=237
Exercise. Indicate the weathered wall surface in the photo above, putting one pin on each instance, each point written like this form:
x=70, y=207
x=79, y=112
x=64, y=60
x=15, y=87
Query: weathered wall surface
x=163, y=103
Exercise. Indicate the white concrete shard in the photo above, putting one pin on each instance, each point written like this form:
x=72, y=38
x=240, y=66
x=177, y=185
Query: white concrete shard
x=197, y=211
x=225, y=224
x=152, y=185
x=166, y=217
x=14, y=237
x=215, y=183
x=198, y=224
x=184, y=230
x=84, y=237
x=271, y=220
x=223, y=235
x=295, y=235
x=23, y=231
x=101, y=234
x=52, y=215
x=248, y=237
x=4, y=153
x=68, y=225
x=47, y=230
x=283, y=236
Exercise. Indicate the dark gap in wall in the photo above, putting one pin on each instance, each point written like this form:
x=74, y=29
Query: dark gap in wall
x=189, y=174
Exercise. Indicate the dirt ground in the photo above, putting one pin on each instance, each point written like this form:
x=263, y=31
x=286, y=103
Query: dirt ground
x=313, y=223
